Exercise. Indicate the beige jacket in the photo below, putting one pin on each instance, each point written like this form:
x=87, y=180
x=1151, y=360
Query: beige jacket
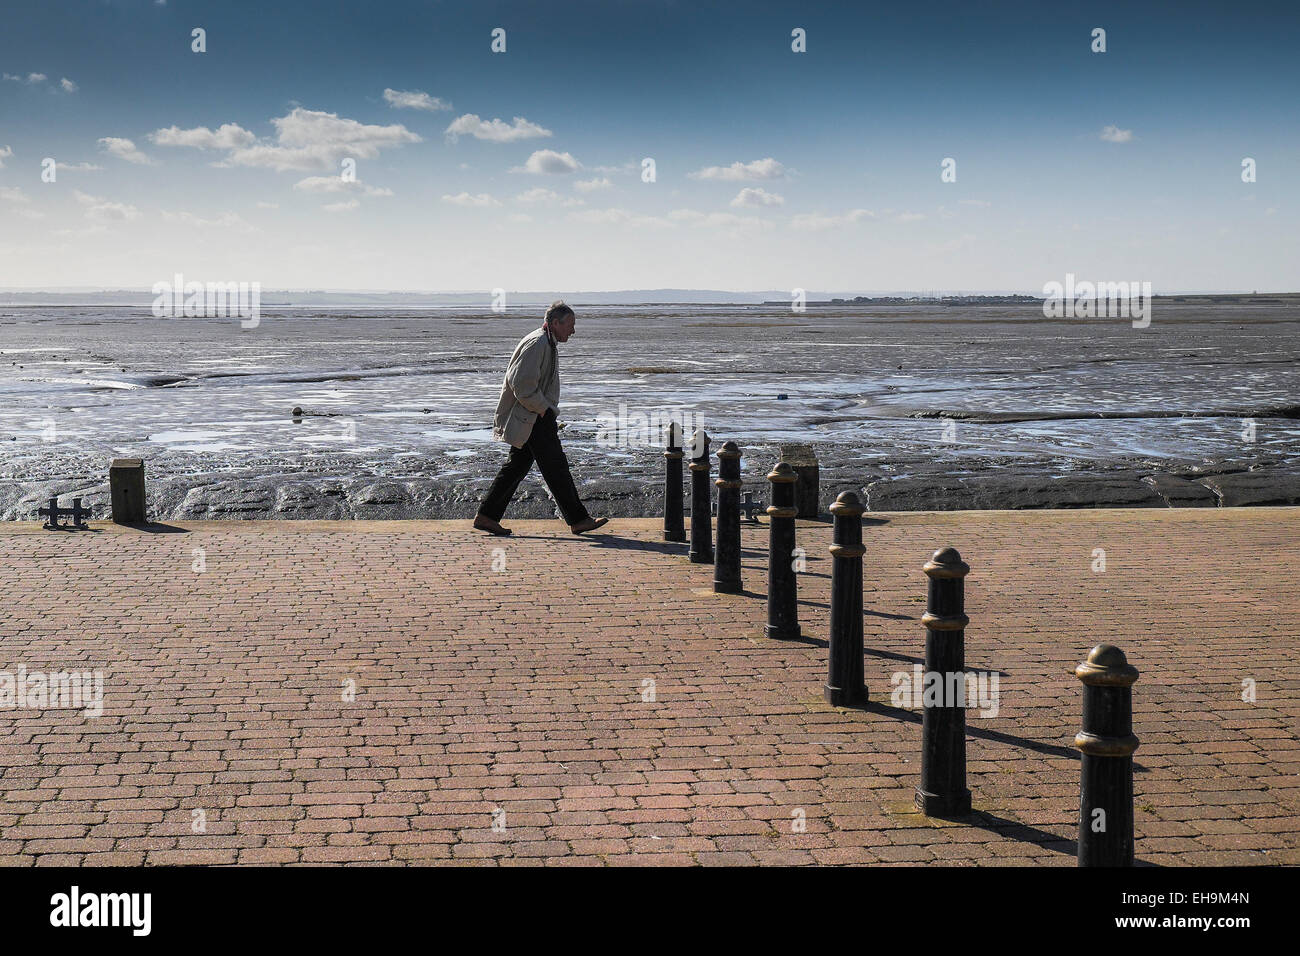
x=531, y=388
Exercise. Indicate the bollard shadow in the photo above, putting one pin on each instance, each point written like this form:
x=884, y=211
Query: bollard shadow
x=865, y=612
x=893, y=656
x=827, y=519
x=1024, y=833
x=914, y=717
x=637, y=544
x=803, y=638
x=1021, y=832
x=867, y=652
x=1054, y=750
x=890, y=617
x=154, y=527
x=600, y=539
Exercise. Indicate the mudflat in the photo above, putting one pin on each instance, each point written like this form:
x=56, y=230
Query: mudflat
x=913, y=406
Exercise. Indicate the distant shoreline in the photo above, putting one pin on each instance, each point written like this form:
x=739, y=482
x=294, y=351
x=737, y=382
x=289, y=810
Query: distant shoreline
x=124, y=300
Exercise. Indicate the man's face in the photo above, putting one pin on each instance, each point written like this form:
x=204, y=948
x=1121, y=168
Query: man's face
x=563, y=328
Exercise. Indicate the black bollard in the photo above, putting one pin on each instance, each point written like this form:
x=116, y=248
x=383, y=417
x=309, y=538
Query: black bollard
x=1107, y=744
x=701, y=530
x=674, y=528
x=845, y=686
x=726, y=572
x=943, y=792
x=126, y=490
x=782, y=587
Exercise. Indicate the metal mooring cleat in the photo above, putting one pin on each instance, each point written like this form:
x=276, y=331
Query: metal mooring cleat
x=750, y=506
x=53, y=513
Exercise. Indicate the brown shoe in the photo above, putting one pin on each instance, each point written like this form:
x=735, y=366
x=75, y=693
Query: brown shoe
x=590, y=524
x=484, y=523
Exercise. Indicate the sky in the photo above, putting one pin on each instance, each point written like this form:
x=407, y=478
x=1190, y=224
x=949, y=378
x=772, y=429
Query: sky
x=773, y=169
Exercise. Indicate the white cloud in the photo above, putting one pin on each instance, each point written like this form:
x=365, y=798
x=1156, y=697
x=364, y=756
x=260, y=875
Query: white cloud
x=538, y=194
x=767, y=168
x=982, y=203
x=261, y=204
x=226, y=136
x=1113, y=134
x=546, y=162
x=628, y=167
x=337, y=184
x=305, y=140
x=13, y=194
x=482, y=200
x=494, y=131
x=229, y=220
x=103, y=210
x=5, y=153
x=311, y=139
x=77, y=167
x=909, y=217
x=754, y=197
x=123, y=149
x=519, y=217
x=35, y=79
x=607, y=217
x=541, y=194
x=720, y=220
x=344, y=206
x=817, y=221
x=82, y=232
x=414, y=100
x=591, y=185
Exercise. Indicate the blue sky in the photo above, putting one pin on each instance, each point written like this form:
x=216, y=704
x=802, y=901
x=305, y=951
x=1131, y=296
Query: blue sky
x=774, y=169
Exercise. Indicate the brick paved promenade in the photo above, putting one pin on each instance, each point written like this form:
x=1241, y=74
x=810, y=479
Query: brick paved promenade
x=479, y=690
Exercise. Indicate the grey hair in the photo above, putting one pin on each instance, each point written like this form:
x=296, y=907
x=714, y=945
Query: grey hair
x=558, y=311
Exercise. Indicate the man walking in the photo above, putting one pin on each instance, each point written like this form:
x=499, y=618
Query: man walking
x=525, y=418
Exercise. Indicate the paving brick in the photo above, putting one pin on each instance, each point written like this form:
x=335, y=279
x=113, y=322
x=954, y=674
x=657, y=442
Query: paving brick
x=522, y=691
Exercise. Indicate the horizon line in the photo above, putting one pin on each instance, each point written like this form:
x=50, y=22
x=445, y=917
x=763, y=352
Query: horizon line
x=911, y=293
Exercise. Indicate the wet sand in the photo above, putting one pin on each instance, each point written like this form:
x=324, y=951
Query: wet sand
x=915, y=407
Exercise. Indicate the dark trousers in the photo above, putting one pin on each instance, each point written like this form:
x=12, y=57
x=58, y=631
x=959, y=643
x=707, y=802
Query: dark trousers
x=543, y=446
